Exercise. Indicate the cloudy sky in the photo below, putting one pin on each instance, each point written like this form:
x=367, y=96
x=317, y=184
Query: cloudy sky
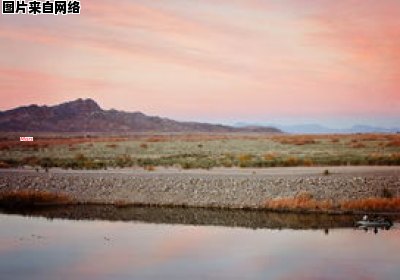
x=330, y=62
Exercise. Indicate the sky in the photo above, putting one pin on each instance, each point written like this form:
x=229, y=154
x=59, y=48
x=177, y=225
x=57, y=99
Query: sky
x=285, y=61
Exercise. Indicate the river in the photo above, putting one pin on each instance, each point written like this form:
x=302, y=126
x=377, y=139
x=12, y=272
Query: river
x=156, y=243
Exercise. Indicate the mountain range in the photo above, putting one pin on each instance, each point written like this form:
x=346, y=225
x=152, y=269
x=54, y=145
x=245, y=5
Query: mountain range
x=85, y=115
x=320, y=129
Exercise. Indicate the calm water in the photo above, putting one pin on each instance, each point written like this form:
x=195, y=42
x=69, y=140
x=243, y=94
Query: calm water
x=144, y=248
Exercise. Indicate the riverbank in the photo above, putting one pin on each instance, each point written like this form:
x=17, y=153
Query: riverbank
x=289, y=189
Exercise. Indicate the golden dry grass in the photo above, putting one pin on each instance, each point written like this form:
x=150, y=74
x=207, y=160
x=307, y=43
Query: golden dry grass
x=270, y=156
x=149, y=168
x=372, y=204
x=305, y=201
x=308, y=162
x=245, y=157
x=298, y=140
x=291, y=161
x=394, y=143
x=32, y=197
x=357, y=145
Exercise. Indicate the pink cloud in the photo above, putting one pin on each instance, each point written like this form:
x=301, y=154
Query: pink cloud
x=368, y=34
x=255, y=57
x=26, y=87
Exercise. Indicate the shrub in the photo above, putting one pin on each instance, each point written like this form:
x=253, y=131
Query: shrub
x=226, y=163
x=358, y=145
x=386, y=193
x=245, y=160
x=112, y=146
x=4, y=164
x=149, y=168
x=124, y=161
x=291, y=161
x=80, y=157
x=270, y=156
x=187, y=165
x=32, y=161
x=394, y=143
x=156, y=139
x=205, y=163
x=47, y=162
x=245, y=157
x=296, y=140
x=308, y=162
x=144, y=146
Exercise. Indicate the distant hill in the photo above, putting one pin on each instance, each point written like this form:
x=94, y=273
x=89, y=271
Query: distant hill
x=85, y=115
x=319, y=129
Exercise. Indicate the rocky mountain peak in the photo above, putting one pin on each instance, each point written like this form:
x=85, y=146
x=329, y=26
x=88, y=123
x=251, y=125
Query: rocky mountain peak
x=78, y=106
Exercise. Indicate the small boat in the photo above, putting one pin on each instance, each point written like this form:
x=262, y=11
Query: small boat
x=375, y=222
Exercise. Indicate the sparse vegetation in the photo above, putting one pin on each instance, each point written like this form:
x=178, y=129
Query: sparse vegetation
x=202, y=151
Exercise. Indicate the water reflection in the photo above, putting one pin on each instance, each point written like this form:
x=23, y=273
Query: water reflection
x=193, y=216
x=37, y=248
x=375, y=230
x=175, y=244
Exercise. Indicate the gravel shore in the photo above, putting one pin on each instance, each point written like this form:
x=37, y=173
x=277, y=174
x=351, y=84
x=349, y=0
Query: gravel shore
x=226, y=188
